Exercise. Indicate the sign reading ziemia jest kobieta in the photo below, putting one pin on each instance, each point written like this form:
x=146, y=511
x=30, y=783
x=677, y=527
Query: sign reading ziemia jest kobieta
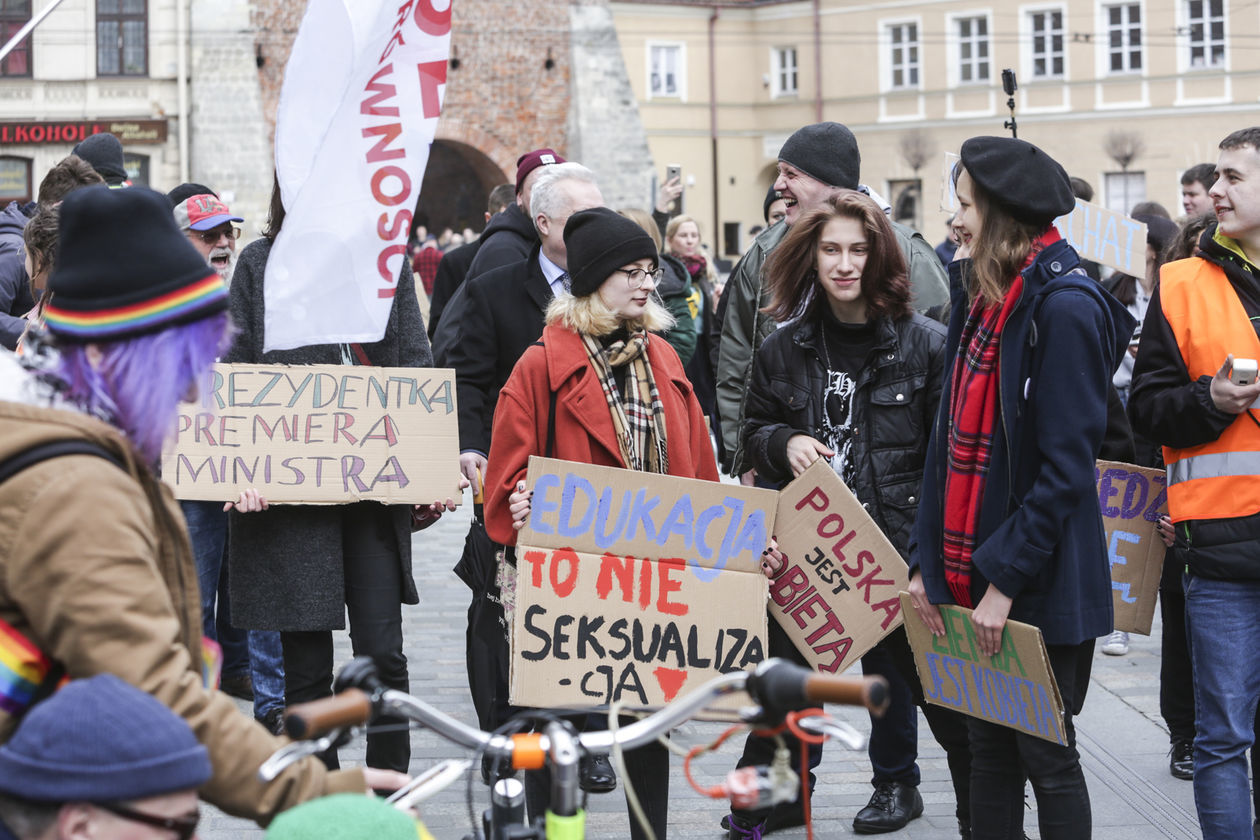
x=319, y=433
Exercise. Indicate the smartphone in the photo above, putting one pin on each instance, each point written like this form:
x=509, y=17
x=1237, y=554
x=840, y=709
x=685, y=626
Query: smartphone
x=672, y=171
x=1009, y=85
x=1244, y=372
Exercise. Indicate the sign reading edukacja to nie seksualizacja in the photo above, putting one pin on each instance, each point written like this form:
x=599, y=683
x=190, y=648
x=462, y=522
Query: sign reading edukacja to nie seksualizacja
x=635, y=587
x=319, y=434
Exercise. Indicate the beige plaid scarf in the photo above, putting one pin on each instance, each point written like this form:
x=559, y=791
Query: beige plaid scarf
x=639, y=417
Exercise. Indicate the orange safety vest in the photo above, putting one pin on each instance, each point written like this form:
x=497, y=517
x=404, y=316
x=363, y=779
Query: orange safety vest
x=1219, y=479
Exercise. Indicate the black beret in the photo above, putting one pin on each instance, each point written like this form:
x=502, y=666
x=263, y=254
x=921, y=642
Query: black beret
x=1019, y=178
x=598, y=242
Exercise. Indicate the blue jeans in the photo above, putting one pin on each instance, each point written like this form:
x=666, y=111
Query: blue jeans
x=1223, y=623
x=254, y=651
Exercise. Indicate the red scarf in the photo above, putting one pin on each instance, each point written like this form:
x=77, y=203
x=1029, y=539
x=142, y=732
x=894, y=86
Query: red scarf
x=973, y=414
x=695, y=266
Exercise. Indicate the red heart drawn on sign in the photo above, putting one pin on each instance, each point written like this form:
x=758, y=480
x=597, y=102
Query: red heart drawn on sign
x=671, y=681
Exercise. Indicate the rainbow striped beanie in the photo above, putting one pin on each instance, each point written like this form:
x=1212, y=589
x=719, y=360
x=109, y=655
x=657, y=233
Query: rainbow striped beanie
x=124, y=269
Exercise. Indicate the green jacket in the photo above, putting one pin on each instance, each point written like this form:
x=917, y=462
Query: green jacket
x=746, y=326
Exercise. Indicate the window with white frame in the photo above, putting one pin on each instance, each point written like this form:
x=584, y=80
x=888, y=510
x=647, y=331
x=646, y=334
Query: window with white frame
x=1122, y=190
x=903, y=55
x=1205, y=23
x=1046, y=26
x=973, y=49
x=1124, y=37
x=665, y=70
x=783, y=70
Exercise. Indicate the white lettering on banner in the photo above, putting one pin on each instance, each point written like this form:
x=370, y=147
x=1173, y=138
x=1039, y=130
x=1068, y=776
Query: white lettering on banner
x=350, y=173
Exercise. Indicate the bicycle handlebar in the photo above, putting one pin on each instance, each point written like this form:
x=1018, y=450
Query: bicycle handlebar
x=352, y=707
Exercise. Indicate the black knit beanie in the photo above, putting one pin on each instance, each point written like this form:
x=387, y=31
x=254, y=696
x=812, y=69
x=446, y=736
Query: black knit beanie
x=772, y=195
x=1020, y=178
x=101, y=739
x=105, y=154
x=599, y=241
x=826, y=151
x=124, y=269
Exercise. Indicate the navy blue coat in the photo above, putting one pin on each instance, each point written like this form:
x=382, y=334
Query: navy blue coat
x=1040, y=538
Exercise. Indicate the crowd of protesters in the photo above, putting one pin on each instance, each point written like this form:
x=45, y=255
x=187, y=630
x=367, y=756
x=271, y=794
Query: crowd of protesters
x=963, y=394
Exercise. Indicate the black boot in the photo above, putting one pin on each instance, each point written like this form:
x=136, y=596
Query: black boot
x=1181, y=759
x=892, y=805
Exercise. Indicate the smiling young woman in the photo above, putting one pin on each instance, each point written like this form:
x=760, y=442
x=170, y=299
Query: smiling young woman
x=853, y=377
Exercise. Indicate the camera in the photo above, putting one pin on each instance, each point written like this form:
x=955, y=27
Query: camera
x=1009, y=85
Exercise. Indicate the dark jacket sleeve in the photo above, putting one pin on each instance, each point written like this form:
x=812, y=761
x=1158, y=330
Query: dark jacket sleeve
x=1118, y=442
x=1069, y=379
x=1165, y=406
x=246, y=304
x=765, y=433
x=473, y=356
x=15, y=297
x=448, y=331
x=408, y=325
x=444, y=285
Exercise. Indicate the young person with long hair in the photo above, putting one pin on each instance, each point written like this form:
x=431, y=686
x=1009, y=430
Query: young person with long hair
x=96, y=570
x=853, y=377
x=1009, y=524
x=621, y=400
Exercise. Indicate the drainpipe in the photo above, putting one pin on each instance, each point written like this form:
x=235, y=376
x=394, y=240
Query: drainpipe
x=182, y=8
x=713, y=129
x=818, y=116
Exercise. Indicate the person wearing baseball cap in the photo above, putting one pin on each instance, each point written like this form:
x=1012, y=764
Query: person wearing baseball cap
x=96, y=539
x=102, y=759
x=209, y=225
x=1007, y=525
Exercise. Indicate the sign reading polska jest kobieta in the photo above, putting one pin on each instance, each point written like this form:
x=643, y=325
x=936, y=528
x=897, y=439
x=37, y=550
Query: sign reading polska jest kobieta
x=319, y=434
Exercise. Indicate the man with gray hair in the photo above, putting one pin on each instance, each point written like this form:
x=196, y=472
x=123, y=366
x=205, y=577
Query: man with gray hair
x=501, y=316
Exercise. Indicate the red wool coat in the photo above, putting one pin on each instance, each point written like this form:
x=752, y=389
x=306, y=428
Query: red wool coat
x=584, y=427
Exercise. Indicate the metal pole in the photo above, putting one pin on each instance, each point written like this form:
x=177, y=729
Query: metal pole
x=26, y=30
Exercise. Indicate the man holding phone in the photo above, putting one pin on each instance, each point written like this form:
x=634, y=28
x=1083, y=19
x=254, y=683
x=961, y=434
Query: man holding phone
x=1205, y=314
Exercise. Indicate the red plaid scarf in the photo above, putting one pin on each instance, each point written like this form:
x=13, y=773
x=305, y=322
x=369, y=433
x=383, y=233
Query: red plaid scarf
x=973, y=413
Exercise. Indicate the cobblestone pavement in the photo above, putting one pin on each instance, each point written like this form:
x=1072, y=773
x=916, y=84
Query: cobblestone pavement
x=1123, y=742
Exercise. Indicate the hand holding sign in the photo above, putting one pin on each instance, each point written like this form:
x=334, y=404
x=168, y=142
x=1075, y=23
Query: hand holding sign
x=803, y=450
x=928, y=613
x=520, y=504
x=249, y=501
x=989, y=618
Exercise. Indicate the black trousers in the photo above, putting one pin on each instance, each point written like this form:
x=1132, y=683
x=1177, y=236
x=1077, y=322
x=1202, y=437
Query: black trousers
x=1001, y=758
x=1176, y=678
x=373, y=586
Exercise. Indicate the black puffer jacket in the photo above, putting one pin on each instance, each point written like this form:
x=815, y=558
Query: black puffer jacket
x=897, y=393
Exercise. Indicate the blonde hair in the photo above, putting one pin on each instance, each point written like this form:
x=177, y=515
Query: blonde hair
x=589, y=315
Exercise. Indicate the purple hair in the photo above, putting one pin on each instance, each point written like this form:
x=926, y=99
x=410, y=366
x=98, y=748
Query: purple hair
x=140, y=381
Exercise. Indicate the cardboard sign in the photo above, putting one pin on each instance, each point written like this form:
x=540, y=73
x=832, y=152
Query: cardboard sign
x=319, y=434
x=1132, y=501
x=838, y=596
x=1015, y=688
x=635, y=587
x=1106, y=237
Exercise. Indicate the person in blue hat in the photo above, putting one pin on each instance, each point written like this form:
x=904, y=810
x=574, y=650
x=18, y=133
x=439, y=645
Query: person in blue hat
x=101, y=759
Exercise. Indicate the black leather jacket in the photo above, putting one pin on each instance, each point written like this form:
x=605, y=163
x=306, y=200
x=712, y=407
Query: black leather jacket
x=897, y=394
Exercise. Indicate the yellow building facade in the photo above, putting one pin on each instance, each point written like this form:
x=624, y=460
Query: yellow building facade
x=1127, y=95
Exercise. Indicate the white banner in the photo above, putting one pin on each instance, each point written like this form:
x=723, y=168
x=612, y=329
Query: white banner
x=360, y=104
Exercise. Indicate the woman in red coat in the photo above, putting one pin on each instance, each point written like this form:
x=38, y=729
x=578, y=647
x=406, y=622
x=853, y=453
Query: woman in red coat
x=621, y=399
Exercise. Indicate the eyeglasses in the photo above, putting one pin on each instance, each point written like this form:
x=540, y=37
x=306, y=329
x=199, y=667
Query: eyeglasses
x=210, y=237
x=635, y=277
x=184, y=827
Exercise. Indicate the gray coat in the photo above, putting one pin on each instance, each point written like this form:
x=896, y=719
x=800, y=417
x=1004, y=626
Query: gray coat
x=285, y=563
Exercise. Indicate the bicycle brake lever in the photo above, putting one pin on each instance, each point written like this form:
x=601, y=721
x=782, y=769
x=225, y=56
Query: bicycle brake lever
x=432, y=781
x=289, y=754
x=832, y=728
